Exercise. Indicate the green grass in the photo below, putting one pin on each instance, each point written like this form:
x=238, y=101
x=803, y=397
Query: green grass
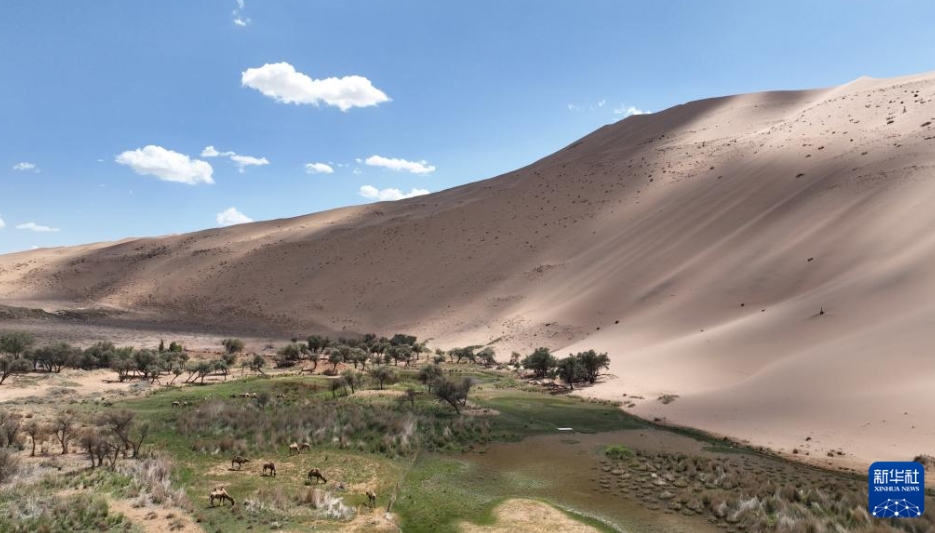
x=524, y=413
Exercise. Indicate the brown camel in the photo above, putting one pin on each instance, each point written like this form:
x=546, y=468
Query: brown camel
x=220, y=494
x=294, y=447
x=316, y=473
x=239, y=461
x=271, y=467
x=372, y=498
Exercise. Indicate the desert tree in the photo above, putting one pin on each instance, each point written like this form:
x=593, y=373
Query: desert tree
x=288, y=355
x=334, y=385
x=317, y=343
x=97, y=355
x=409, y=395
x=54, y=357
x=122, y=363
x=233, y=346
x=122, y=423
x=487, y=356
x=428, y=374
x=36, y=431
x=64, y=426
x=571, y=369
x=16, y=343
x=453, y=393
x=352, y=379
x=382, y=375
x=10, y=365
x=256, y=364
x=593, y=362
x=10, y=425
x=541, y=361
x=401, y=339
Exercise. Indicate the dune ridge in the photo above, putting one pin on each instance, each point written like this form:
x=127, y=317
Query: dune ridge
x=768, y=257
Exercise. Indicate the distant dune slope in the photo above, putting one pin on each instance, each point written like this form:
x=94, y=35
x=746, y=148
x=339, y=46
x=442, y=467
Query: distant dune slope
x=697, y=245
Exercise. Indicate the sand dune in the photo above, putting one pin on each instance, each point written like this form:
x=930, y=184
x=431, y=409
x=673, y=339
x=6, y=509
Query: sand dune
x=697, y=245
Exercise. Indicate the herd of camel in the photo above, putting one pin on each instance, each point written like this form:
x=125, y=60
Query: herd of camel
x=269, y=469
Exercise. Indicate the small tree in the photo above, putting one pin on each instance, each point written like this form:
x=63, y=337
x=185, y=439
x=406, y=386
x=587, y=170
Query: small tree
x=382, y=374
x=593, y=362
x=409, y=395
x=288, y=355
x=452, y=393
x=487, y=357
x=540, y=362
x=335, y=358
x=10, y=425
x=16, y=343
x=10, y=365
x=429, y=374
x=352, y=378
x=335, y=385
x=36, y=431
x=233, y=345
x=64, y=427
x=257, y=363
x=571, y=370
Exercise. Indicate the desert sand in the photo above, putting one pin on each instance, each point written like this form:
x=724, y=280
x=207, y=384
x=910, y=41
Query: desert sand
x=769, y=258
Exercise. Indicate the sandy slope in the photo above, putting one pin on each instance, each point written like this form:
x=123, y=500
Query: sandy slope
x=696, y=245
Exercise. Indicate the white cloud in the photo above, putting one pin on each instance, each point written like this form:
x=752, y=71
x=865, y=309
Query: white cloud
x=601, y=103
x=241, y=160
x=630, y=110
x=32, y=226
x=239, y=19
x=318, y=168
x=283, y=83
x=248, y=161
x=372, y=193
x=211, y=151
x=24, y=166
x=2, y=224
x=358, y=172
x=231, y=216
x=574, y=107
x=166, y=165
x=416, y=167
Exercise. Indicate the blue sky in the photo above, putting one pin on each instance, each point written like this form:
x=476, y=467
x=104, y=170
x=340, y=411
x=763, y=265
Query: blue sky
x=106, y=107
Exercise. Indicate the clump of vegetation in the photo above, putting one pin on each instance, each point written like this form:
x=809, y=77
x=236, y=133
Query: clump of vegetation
x=617, y=452
x=666, y=399
x=221, y=426
x=742, y=495
x=76, y=513
x=578, y=368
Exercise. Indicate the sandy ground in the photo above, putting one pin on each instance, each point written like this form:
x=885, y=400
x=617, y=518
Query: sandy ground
x=529, y=516
x=155, y=519
x=767, y=257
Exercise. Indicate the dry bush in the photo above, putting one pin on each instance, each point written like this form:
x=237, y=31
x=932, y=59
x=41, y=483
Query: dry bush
x=152, y=478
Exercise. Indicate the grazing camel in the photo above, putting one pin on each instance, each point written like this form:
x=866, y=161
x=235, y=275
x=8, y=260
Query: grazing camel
x=239, y=461
x=220, y=494
x=316, y=473
x=294, y=447
x=271, y=467
x=372, y=498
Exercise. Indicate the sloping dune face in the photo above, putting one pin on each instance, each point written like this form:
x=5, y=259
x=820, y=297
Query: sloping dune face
x=697, y=245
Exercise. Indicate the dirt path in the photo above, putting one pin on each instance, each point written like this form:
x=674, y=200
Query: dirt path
x=529, y=516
